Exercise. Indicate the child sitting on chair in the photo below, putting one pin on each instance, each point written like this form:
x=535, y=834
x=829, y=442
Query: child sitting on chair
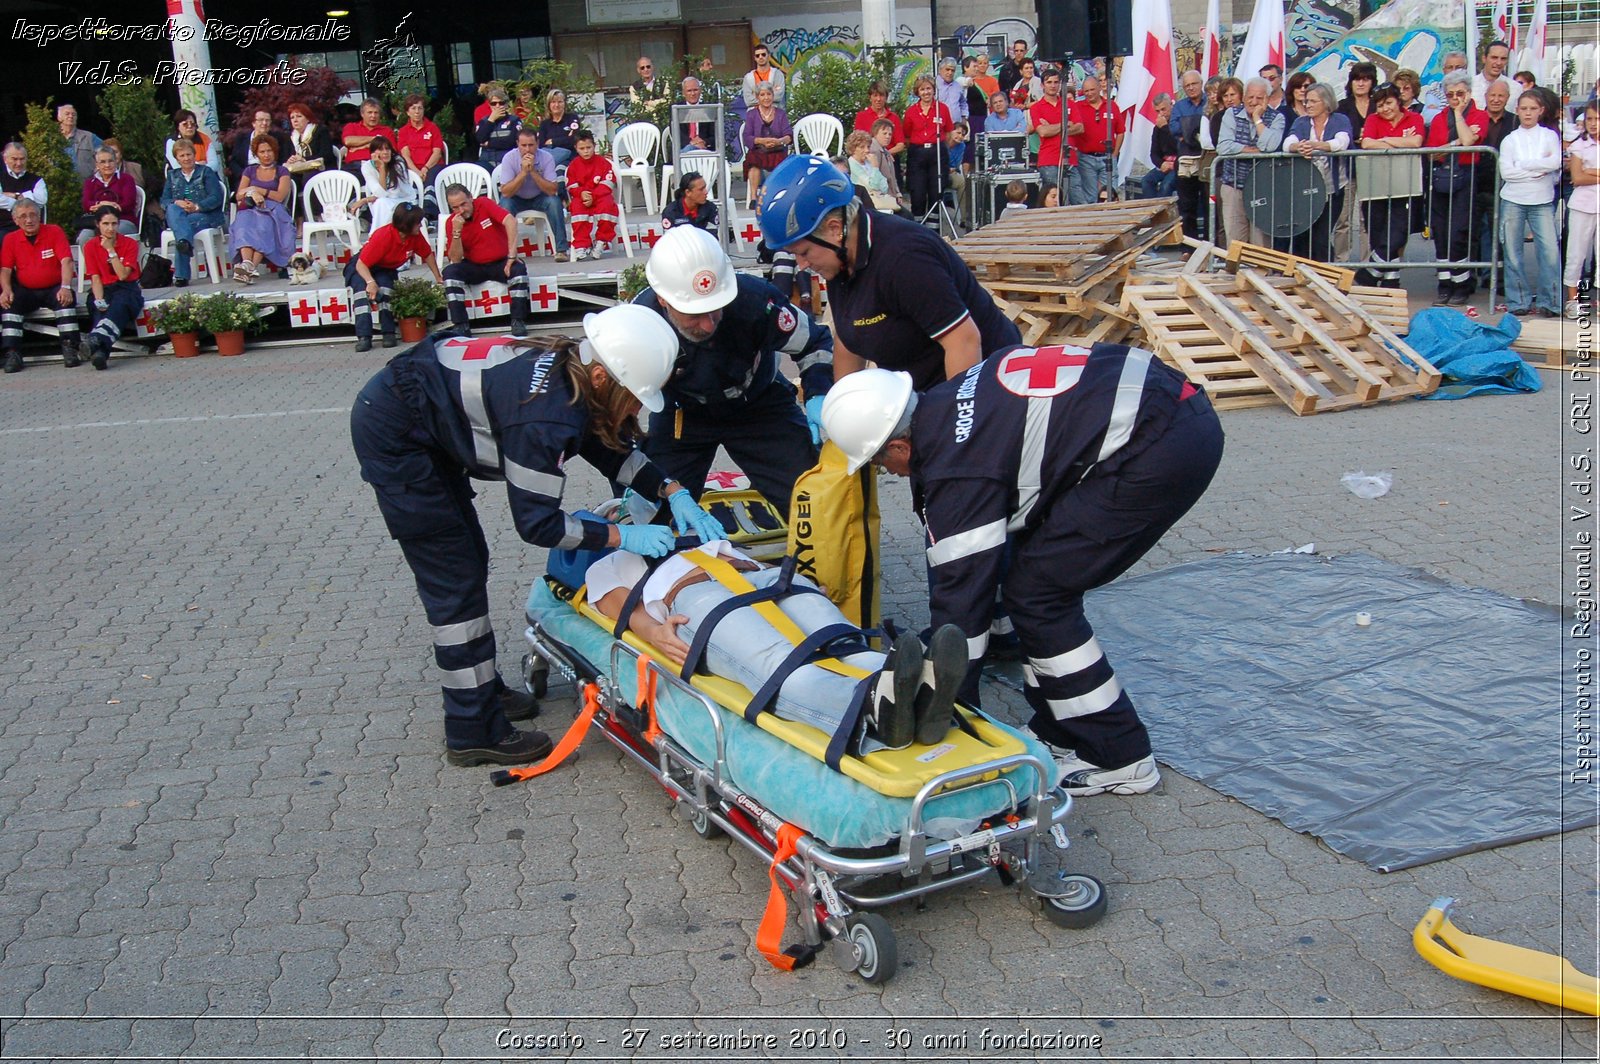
x=914, y=695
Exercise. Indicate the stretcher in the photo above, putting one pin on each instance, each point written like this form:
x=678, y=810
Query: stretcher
x=841, y=843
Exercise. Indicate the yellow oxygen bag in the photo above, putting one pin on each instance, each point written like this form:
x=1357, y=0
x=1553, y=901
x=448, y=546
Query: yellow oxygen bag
x=833, y=534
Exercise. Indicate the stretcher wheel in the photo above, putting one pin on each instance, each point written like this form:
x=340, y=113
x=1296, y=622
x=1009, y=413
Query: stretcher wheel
x=704, y=826
x=1075, y=901
x=878, y=958
x=535, y=675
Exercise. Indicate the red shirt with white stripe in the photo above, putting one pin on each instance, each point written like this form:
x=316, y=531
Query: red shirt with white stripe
x=97, y=261
x=37, y=262
x=386, y=249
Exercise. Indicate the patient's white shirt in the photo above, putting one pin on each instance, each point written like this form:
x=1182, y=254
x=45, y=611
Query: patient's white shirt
x=623, y=569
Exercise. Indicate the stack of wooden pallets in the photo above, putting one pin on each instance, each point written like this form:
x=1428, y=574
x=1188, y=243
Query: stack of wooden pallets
x=1059, y=272
x=1252, y=338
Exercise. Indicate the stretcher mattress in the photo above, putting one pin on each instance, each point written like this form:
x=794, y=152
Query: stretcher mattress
x=840, y=811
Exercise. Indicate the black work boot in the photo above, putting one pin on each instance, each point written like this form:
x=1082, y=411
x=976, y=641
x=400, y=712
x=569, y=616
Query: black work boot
x=516, y=705
x=13, y=361
x=894, y=713
x=517, y=748
x=363, y=343
x=945, y=672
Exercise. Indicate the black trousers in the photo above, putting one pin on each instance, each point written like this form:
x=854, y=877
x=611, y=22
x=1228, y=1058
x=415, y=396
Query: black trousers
x=361, y=303
x=766, y=436
x=923, y=164
x=1450, y=218
x=426, y=502
x=1388, y=223
x=25, y=301
x=1090, y=536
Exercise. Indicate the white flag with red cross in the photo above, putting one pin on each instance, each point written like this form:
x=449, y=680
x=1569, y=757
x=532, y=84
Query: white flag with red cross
x=1264, y=43
x=1146, y=74
x=1209, y=58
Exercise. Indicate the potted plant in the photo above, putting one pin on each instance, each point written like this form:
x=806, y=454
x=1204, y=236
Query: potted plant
x=631, y=282
x=226, y=316
x=179, y=318
x=414, y=303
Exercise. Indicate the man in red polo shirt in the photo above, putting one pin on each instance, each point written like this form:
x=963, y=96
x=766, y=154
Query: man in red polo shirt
x=1047, y=118
x=1096, y=132
x=358, y=136
x=35, y=272
x=480, y=238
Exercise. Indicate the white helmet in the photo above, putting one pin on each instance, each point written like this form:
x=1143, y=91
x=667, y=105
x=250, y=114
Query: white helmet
x=690, y=272
x=636, y=346
x=862, y=410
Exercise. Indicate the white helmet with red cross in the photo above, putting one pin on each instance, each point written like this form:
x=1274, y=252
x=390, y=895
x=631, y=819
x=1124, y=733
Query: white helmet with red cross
x=690, y=272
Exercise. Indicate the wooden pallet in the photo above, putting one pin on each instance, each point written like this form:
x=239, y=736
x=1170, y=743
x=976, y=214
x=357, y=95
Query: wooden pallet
x=1076, y=246
x=1253, y=339
x=1242, y=254
x=1557, y=343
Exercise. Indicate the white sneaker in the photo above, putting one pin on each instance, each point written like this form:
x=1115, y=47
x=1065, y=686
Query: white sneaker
x=600, y=250
x=1574, y=310
x=1080, y=778
x=579, y=254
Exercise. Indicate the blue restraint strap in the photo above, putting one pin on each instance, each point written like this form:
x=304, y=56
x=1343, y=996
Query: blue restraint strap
x=796, y=658
x=839, y=742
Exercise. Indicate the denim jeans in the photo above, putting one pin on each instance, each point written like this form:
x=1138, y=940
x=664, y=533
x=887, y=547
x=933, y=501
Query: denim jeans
x=1542, y=287
x=1092, y=173
x=1157, y=184
x=1051, y=175
x=547, y=204
x=184, y=226
x=745, y=648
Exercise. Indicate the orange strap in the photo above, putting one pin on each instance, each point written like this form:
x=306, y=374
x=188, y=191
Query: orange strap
x=569, y=742
x=647, y=699
x=770, y=934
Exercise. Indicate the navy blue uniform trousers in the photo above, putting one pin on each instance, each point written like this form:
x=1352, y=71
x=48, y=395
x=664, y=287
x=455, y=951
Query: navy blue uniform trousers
x=1091, y=535
x=426, y=502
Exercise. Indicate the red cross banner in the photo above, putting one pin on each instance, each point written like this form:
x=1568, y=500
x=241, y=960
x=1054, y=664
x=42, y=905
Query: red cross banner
x=543, y=295
x=485, y=300
x=750, y=234
x=1145, y=75
x=142, y=325
x=305, y=311
x=1042, y=371
x=333, y=305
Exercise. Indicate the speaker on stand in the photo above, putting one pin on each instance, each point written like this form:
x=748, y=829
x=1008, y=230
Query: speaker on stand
x=1083, y=29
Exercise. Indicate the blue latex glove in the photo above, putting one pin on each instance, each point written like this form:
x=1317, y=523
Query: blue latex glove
x=652, y=541
x=814, y=418
x=693, y=520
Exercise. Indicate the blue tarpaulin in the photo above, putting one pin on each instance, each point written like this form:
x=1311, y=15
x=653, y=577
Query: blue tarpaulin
x=1475, y=357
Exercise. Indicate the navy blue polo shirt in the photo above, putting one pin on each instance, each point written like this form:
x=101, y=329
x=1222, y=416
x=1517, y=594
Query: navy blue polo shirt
x=907, y=289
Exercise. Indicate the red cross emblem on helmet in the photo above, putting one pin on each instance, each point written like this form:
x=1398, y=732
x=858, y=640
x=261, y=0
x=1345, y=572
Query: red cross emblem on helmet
x=704, y=281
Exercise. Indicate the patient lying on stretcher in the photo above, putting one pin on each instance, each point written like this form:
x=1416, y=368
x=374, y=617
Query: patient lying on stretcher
x=913, y=695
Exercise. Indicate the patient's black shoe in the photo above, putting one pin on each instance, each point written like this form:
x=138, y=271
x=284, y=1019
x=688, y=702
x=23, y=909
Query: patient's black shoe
x=944, y=673
x=894, y=714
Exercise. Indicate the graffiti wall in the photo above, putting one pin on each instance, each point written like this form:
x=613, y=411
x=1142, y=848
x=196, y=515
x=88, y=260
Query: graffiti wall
x=795, y=40
x=1413, y=34
x=1310, y=26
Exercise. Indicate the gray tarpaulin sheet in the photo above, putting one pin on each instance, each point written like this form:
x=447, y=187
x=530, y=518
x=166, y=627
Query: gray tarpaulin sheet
x=1434, y=731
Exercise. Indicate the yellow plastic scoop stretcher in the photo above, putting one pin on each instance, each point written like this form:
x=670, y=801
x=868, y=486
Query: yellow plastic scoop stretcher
x=1502, y=966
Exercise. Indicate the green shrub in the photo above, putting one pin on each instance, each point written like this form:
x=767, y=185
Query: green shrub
x=832, y=83
x=47, y=157
x=178, y=315
x=139, y=123
x=416, y=297
x=631, y=282
x=228, y=312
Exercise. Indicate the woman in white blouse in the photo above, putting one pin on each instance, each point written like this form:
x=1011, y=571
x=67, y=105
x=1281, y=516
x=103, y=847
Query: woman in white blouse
x=385, y=184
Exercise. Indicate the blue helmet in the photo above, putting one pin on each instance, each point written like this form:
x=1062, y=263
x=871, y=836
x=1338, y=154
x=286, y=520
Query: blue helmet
x=798, y=195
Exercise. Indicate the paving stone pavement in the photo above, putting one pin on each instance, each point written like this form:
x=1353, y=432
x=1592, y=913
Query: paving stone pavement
x=229, y=831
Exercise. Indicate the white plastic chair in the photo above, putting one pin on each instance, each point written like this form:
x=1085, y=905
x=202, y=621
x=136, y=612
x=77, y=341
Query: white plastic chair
x=633, y=154
x=821, y=135
x=476, y=180
x=207, y=247
x=691, y=162
x=328, y=187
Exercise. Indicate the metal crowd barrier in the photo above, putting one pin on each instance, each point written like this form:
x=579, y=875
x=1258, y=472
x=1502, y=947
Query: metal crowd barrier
x=1282, y=199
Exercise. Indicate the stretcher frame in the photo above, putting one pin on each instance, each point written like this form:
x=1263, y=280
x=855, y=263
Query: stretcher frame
x=835, y=893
